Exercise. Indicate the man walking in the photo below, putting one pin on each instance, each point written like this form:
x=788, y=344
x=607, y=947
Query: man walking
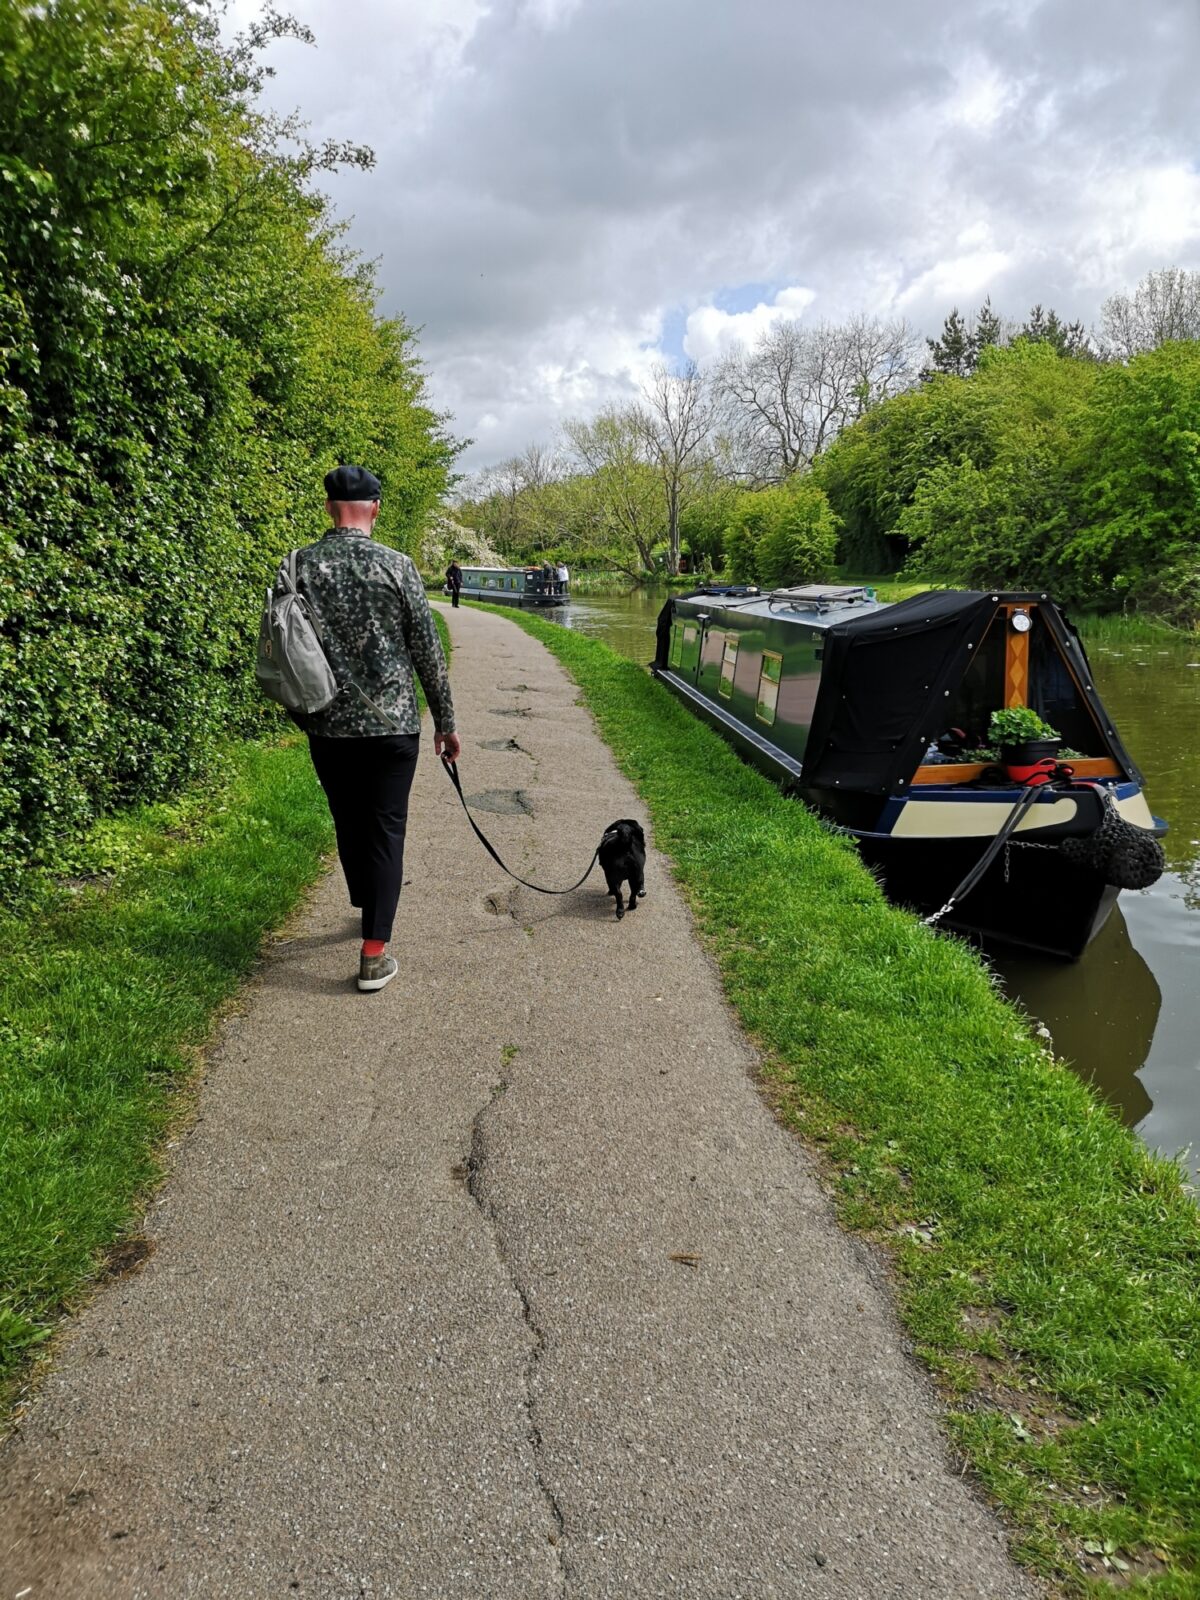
x=377, y=629
x=454, y=582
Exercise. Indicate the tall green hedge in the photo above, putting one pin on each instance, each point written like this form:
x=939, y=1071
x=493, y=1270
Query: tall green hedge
x=185, y=348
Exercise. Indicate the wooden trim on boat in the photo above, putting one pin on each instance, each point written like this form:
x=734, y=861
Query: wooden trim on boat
x=968, y=771
x=1016, y=661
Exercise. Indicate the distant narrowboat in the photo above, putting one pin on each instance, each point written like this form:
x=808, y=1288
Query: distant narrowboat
x=517, y=586
x=871, y=713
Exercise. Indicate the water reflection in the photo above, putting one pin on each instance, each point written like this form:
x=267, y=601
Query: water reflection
x=1127, y=1016
x=625, y=622
x=1101, y=1012
x=1164, y=926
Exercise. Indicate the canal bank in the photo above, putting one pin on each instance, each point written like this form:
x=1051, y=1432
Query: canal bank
x=501, y=1282
x=1047, y=1262
x=1127, y=1016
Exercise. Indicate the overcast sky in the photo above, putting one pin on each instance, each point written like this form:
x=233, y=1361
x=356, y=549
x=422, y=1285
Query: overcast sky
x=568, y=190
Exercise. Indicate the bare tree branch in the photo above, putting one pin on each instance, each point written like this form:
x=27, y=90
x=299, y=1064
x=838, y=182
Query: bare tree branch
x=1165, y=305
x=678, y=423
x=792, y=392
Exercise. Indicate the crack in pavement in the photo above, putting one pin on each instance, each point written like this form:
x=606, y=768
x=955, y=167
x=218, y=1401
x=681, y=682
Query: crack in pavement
x=502, y=904
x=476, y=1161
x=506, y=745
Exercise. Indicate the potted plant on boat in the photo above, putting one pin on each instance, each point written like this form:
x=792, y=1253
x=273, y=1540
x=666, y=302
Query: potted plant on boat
x=1028, y=744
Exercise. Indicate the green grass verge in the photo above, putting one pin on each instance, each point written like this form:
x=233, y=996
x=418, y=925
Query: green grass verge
x=1048, y=1265
x=889, y=585
x=108, y=985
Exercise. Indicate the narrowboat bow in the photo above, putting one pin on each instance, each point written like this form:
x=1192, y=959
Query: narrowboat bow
x=873, y=713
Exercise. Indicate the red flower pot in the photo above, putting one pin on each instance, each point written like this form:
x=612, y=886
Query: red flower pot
x=1031, y=762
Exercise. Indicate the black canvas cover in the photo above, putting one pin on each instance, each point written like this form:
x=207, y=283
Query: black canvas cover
x=885, y=681
x=1070, y=645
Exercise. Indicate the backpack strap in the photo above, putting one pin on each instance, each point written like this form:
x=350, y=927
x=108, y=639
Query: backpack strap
x=287, y=571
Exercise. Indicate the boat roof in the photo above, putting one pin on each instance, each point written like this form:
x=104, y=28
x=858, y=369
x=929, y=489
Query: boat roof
x=887, y=671
x=474, y=566
x=815, y=605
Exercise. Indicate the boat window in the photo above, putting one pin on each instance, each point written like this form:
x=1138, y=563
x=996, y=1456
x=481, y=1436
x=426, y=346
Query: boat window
x=768, y=686
x=728, y=664
x=677, y=644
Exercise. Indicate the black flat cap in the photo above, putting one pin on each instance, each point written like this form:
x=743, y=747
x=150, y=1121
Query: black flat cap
x=351, y=483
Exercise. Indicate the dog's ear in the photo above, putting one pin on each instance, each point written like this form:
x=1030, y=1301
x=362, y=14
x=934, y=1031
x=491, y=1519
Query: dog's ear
x=638, y=834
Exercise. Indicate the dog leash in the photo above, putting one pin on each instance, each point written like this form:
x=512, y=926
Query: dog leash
x=452, y=772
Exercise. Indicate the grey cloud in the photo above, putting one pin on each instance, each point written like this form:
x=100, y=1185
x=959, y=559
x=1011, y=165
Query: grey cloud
x=542, y=190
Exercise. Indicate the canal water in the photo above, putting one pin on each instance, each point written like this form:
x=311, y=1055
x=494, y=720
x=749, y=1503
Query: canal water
x=1126, y=1016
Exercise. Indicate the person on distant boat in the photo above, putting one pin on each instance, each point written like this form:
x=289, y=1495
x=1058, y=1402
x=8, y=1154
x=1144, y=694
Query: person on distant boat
x=547, y=577
x=564, y=577
x=454, y=582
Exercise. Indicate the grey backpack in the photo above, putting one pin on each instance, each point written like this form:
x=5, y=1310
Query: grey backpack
x=291, y=666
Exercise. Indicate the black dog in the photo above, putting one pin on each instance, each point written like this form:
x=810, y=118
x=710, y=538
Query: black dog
x=623, y=858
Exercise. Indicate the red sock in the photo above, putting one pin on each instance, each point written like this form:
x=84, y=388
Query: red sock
x=374, y=947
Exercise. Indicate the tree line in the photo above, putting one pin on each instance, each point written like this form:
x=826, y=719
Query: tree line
x=186, y=346
x=1033, y=452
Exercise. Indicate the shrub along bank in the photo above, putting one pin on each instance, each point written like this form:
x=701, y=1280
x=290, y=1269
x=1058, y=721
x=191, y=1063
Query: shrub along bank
x=1038, y=470
x=1048, y=1264
x=185, y=349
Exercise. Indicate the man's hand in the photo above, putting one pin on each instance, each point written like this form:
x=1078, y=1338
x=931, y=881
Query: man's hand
x=448, y=745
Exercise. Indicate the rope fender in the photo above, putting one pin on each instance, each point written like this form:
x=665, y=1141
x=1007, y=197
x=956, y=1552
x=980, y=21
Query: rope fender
x=1124, y=855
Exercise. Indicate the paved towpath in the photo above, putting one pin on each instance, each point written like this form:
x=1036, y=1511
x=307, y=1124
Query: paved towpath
x=413, y=1327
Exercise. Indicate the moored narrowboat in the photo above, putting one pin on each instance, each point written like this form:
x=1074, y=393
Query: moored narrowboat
x=878, y=716
x=517, y=586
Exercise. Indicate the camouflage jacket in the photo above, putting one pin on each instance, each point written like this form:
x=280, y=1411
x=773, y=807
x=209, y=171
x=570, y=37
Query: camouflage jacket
x=377, y=629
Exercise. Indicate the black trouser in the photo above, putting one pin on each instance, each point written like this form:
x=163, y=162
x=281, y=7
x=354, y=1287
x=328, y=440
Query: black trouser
x=366, y=782
x=454, y=596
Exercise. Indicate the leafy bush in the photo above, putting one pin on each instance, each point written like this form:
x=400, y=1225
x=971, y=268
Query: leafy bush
x=1138, y=537
x=1170, y=592
x=703, y=524
x=184, y=350
x=781, y=536
x=1038, y=471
